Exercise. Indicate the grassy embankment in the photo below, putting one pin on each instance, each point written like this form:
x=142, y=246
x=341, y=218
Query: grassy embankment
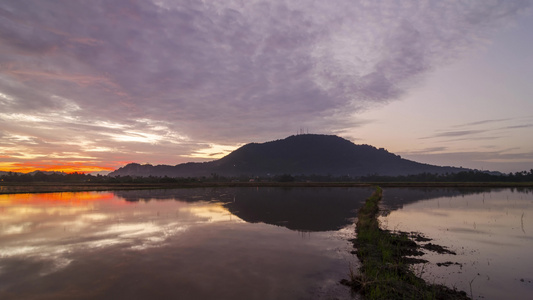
x=385, y=271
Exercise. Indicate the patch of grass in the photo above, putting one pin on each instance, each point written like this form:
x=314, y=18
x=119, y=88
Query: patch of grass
x=385, y=271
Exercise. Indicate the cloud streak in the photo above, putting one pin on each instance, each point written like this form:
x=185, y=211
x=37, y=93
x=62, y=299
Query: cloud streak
x=484, y=129
x=501, y=153
x=504, y=160
x=212, y=72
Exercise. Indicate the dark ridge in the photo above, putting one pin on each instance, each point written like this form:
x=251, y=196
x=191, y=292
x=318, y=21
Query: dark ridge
x=306, y=154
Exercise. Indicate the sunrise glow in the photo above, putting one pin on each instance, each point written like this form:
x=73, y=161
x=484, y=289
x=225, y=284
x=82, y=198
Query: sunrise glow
x=423, y=79
x=57, y=166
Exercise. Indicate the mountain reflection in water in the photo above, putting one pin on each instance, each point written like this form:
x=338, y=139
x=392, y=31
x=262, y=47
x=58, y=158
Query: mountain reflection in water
x=249, y=243
x=303, y=209
x=186, y=244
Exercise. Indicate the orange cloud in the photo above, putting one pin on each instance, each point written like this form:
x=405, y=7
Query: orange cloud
x=67, y=167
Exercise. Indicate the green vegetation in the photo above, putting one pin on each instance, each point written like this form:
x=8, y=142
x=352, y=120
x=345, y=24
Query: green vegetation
x=465, y=176
x=80, y=177
x=470, y=177
x=385, y=271
x=37, y=182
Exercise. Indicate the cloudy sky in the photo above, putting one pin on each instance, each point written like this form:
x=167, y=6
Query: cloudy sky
x=94, y=85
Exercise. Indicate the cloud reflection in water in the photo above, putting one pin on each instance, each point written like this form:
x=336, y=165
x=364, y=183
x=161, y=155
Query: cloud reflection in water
x=53, y=227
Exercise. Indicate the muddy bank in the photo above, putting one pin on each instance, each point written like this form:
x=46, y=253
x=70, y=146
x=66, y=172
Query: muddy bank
x=387, y=258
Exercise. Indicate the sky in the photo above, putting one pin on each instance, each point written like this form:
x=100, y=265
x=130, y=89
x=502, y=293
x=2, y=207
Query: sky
x=93, y=85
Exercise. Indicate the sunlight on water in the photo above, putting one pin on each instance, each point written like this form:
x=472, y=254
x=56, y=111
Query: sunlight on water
x=189, y=244
x=74, y=221
x=72, y=199
x=491, y=232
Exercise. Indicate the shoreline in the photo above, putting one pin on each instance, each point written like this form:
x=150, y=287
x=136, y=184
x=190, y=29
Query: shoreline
x=55, y=187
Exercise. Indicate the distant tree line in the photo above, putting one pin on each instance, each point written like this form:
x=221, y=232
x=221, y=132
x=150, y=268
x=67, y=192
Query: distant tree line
x=87, y=178
x=466, y=176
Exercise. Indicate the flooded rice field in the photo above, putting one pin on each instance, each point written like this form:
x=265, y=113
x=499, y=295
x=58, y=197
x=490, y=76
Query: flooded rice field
x=243, y=243
x=252, y=243
x=490, y=230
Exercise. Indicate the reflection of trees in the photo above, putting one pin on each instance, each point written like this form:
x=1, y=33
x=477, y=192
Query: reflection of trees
x=185, y=195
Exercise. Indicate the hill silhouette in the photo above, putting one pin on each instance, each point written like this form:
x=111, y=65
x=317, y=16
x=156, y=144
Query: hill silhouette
x=305, y=154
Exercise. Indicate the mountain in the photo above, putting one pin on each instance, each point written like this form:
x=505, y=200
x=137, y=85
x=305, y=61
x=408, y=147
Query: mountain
x=298, y=154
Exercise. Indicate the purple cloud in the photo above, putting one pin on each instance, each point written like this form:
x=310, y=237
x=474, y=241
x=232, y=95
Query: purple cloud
x=187, y=72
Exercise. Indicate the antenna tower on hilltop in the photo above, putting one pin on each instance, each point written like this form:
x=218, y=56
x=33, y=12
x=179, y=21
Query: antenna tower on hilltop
x=302, y=131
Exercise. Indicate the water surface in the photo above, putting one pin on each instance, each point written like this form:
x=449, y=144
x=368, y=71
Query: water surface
x=491, y=230
x=241, y=243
